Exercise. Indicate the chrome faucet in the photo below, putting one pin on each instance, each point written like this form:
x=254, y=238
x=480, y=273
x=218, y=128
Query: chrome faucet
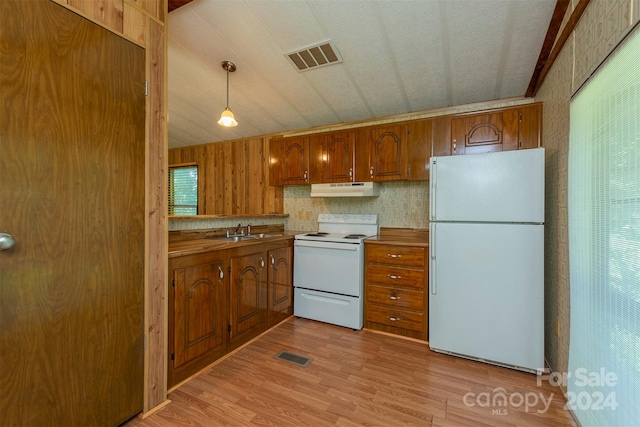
x=248, y=229
x=238, y=229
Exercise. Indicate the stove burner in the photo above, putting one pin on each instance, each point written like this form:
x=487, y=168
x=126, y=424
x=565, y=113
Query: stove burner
x=318, y=234
x=354, y=236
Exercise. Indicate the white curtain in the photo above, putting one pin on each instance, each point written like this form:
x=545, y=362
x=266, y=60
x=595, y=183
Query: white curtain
x=604, y=243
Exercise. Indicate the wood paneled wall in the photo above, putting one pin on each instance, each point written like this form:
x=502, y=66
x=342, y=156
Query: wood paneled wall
x=233, y=177
x=144, y=22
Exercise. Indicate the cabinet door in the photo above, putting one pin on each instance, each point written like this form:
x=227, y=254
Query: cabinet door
x=294, y=168
x=383, y=153
x=530, y=129
x=280, y=289
x=441, y=136
x=484, y=133
x=199, y=320
x=338, y=157
x=248, y=295
x=418, y=149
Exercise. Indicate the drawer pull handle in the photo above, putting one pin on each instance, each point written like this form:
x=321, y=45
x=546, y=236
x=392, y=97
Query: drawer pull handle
x=220, y=274
x=393, y=297
x=394, y=319
x=393, y=276
x=394, y=256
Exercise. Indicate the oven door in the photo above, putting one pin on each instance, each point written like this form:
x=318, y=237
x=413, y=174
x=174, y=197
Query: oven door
x=328, y=267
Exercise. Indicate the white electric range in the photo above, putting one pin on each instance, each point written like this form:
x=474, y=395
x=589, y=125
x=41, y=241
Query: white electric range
x=328, y=269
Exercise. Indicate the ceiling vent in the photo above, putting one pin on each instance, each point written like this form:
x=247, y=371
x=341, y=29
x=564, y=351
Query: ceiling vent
x=315, y=56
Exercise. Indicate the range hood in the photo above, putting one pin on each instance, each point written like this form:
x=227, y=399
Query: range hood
x=346, y=189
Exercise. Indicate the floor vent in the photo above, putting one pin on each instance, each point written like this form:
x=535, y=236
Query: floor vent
x=294, y=358
x=315, y=56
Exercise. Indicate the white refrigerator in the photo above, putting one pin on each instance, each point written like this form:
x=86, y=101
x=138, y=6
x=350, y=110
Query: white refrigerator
x=486, y=266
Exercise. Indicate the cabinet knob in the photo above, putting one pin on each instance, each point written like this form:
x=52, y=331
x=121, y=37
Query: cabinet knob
x=393, y=276
x=220, y=273
x=393, y=319
x=350, y=172
x=393, y=297
x=273, y=261
x=371, y=171
x=305, y=175
x=394, y=256
x=261, y=262
x=454, y=145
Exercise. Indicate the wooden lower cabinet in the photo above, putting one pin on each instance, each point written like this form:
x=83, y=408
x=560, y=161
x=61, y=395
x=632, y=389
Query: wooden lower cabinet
x=221, y=299
x=200, y=292
x=280, y=284
x=248, y=297
x=396, y=299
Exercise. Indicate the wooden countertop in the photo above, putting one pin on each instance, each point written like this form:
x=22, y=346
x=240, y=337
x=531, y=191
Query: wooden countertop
x=196, y=246
x=418, y=237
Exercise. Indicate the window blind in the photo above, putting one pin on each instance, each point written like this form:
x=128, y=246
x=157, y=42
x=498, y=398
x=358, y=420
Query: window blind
x=183, y=190
x=603, y=381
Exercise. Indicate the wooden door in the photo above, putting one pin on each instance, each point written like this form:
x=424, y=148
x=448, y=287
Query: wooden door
x=295, y=161
x=199, y=314
x=441, y=136
x=280, y=287
x=248, y=295
x=338, y=157
x=485, y=133
x=530, y=129
x=418, y=149
x=72, y=161
x=384, y=154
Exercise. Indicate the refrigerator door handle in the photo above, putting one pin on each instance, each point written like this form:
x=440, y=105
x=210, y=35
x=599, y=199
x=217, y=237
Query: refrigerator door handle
x=432, y=193
x=432, y=264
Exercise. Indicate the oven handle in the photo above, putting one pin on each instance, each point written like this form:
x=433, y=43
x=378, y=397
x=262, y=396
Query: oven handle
x=327, y=245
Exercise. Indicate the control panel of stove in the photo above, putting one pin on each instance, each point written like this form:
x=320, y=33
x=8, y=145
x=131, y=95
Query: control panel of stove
x=348, y=218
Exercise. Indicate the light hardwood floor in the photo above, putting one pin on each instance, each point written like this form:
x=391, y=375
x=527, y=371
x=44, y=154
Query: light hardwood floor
x=356, y=378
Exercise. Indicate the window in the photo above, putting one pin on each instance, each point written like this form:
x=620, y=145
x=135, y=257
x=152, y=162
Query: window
x=604, y=243
x=183, y=190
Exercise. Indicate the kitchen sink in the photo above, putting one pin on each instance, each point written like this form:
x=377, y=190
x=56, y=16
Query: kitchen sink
x=236, y=238
x=241, y=238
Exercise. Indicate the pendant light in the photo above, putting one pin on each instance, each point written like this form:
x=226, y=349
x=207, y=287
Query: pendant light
x=226, y=118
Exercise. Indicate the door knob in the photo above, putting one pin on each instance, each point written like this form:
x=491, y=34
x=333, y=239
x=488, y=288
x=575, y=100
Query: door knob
x=6, y=241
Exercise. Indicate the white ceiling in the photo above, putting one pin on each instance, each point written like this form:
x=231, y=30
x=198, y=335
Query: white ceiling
x=399, y=56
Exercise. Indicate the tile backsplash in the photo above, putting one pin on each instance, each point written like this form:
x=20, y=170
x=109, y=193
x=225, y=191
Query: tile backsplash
x=400, y=204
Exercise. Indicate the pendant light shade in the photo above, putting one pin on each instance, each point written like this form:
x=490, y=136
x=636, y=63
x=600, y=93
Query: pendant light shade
x=226, y=118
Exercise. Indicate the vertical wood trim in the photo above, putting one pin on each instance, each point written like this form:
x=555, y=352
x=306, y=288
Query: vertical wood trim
x=156, y=247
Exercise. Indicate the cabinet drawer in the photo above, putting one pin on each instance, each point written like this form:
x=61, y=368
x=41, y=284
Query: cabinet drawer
x=392, y=297
x=396, y=255
x=394, y=276
x=396, y=317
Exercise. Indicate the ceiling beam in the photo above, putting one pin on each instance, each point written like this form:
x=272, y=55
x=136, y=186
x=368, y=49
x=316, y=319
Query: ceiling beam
x=552, y=32
x=174, y=4
x=538, y=77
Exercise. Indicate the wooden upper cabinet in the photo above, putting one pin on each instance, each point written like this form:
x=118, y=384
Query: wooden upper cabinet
x=292, y=160
x=419, y=144
x=332, y=157
x=381, y=153
x=530, y=129
x=441, y=136
x=500, y=130
x=484, y=133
